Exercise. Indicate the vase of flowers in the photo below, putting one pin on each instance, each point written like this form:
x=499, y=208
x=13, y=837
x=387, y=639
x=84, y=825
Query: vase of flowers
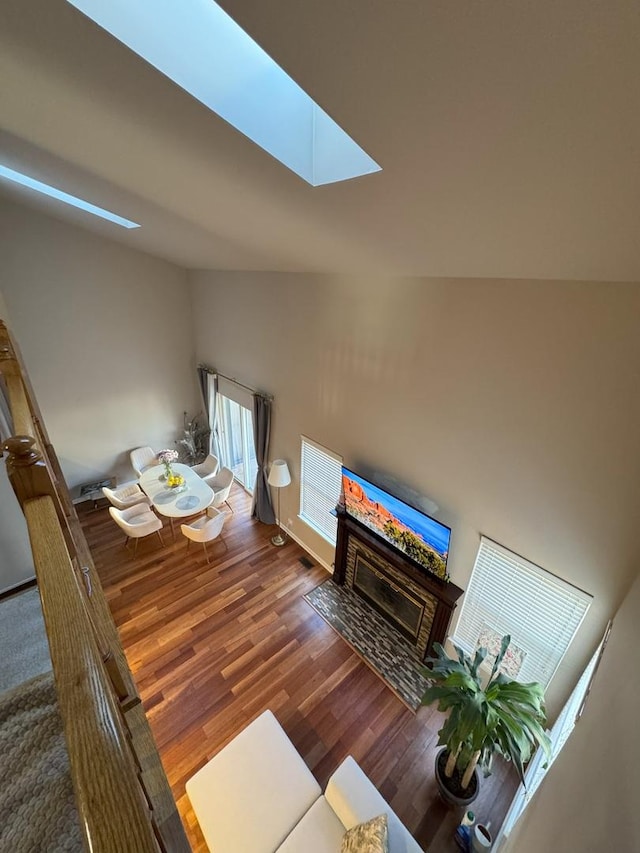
x=166, y=458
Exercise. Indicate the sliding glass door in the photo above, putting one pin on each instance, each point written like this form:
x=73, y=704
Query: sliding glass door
x=235, y=426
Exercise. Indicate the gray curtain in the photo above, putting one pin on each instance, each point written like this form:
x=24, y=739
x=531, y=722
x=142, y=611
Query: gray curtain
x=262, y=508
x=208, y=381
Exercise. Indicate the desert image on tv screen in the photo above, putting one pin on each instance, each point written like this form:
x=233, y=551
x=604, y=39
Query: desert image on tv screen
x=418, y=536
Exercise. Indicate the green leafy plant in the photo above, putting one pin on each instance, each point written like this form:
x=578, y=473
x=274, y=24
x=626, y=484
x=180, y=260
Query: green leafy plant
x=504, y=717
x=194, y=443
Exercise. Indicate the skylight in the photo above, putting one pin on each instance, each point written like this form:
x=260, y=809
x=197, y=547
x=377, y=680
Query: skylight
x=60, y=195
x=198, y=46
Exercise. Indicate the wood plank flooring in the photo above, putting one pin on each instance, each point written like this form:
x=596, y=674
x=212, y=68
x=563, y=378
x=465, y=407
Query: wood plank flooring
x=213, y=645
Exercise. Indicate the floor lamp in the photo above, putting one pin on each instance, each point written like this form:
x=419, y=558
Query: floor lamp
x=279, y=477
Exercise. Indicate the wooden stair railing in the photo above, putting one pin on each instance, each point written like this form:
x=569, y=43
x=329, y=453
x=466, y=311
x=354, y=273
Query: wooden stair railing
x=123, y=797
x=111, y=805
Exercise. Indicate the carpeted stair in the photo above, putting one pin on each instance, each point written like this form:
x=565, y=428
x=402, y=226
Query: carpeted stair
x=37, y=806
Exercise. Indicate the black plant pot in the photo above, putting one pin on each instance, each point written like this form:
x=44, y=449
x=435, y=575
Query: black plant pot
x=450, y=789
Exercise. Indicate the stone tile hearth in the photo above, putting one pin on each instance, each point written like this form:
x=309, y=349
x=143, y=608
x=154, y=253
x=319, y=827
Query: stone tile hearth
x=383, y=648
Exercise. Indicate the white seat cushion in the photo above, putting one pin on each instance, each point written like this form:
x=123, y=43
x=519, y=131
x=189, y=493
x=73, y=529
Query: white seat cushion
x=143, y=517
x=319, y=831
x=355, y=799
x=250, y=795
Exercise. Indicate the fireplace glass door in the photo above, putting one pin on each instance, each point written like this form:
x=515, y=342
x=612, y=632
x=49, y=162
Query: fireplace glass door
x=396, y=603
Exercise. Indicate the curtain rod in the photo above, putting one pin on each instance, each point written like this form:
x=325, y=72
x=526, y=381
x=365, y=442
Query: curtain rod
x=235, y=381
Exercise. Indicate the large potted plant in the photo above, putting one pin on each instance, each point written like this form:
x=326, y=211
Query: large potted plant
x=503, y=717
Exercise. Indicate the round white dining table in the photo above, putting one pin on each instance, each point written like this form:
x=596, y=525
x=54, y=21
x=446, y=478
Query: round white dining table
x=190, y=499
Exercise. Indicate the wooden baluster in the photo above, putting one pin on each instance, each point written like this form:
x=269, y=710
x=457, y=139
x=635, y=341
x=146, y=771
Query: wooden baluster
x=30, y=477
x=10, y=369
x=27, y=469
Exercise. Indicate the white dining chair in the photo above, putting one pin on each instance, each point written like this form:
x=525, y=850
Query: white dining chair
x=205, y=529
x=143, y=458
x=221, y=485
x=125, y=496
x=137, y=521
x=207, y=469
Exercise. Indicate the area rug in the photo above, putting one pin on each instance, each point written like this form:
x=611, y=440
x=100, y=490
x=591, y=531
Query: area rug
x=37, y=804
x=23, y=639
x=381, y=647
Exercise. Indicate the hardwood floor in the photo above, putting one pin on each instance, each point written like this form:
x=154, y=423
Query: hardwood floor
x=212, y=646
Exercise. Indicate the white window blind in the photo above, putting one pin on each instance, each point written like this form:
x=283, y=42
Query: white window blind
x=320, y=485
x=513, y=596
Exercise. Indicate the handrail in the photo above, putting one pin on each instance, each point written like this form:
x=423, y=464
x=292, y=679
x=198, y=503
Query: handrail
x=111, y=807
x=122, y=793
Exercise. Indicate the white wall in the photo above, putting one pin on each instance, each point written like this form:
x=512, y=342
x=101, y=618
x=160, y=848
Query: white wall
x=16, y=563
x=512, y=405
x=588, y=801
x=105, y=332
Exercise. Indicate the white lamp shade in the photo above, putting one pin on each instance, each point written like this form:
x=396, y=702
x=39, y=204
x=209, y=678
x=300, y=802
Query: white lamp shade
x=279, y=474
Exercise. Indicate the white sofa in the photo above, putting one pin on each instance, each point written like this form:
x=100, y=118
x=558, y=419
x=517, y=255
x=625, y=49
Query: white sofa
x=258, y=796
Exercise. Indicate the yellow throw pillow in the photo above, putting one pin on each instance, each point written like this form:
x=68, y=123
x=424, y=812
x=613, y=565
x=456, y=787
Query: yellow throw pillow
x=369, y=837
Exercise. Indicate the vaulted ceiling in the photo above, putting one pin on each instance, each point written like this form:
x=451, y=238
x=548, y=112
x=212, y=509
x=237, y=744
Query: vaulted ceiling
x=508, y=132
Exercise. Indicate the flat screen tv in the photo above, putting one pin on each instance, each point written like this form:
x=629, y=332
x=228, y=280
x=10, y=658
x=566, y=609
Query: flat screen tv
x=414, y=533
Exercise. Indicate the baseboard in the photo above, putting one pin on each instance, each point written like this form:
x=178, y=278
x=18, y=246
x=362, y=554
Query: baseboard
x=306, y=548
x=18, y=587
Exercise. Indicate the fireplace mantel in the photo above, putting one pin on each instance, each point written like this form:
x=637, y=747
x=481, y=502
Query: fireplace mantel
x=414, y=601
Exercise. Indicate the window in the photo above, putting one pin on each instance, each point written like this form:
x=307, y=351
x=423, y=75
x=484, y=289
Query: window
x=512, y=596
x=320, y=484
x=538, y=768
x=60, y=195
x=200, y=47
x=235, y=426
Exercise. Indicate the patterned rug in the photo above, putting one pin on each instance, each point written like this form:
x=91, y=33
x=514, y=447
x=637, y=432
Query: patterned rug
x=37, y=804
x=383, y=648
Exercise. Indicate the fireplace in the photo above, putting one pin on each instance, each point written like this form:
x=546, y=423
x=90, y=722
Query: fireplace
x=418, y=604
x=401, y=602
